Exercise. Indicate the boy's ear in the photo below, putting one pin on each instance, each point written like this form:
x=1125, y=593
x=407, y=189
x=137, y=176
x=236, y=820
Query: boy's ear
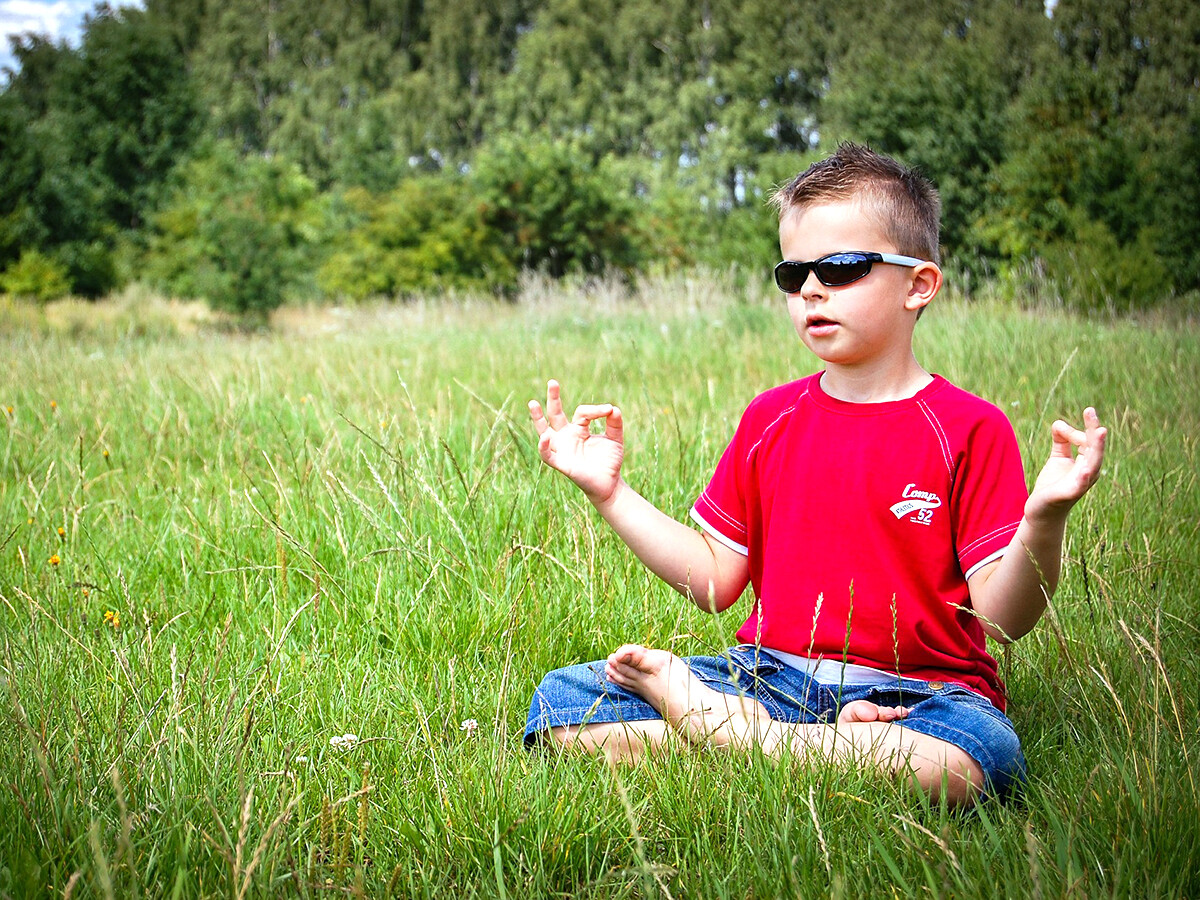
x=926, y=282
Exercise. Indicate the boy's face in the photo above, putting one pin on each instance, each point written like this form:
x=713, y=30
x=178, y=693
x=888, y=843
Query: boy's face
x=868, y=322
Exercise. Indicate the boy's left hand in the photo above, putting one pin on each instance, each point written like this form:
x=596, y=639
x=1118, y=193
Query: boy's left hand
x=1066, y=477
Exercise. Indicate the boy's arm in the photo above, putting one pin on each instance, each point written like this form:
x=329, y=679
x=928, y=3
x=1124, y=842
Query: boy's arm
x=712, y=575
x=1010, y=594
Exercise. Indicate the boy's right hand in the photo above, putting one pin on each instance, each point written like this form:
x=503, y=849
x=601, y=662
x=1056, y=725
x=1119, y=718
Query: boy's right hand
x=591, y=461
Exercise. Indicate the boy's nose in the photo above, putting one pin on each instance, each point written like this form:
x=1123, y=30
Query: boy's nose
x=812, y=289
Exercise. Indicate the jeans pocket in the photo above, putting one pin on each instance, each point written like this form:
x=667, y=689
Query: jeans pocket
x=754, y=660
x=898, y=695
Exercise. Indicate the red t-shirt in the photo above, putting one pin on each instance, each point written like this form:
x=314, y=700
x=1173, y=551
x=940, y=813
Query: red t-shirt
x=862, y=521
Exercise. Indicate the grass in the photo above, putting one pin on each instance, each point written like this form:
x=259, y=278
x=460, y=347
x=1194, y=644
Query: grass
x=343, y=528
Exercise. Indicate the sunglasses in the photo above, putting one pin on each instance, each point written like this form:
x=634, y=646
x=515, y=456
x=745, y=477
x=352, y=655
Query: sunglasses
x=836, y=269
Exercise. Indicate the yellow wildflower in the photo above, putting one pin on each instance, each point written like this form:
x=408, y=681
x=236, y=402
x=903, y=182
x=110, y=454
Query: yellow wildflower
x=54, y=560
x=113, y=618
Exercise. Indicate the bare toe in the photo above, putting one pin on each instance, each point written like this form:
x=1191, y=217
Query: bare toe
x=633, y=656
x=858, y=711
x=866, y=711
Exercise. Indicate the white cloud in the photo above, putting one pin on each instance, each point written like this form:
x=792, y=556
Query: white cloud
x=58, y=19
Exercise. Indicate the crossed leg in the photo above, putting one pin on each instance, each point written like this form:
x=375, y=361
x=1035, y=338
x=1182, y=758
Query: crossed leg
x=864, y=733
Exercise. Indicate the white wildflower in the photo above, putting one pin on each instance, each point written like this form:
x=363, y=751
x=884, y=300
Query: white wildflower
x=342, y=742
x=470, y=726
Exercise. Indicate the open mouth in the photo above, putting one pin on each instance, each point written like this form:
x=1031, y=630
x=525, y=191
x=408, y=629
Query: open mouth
x=818, y=322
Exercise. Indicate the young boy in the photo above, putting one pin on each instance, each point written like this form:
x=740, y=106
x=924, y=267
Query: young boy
x=879, y=513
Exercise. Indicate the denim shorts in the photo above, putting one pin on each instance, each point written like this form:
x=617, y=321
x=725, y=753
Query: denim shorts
x=580, y=694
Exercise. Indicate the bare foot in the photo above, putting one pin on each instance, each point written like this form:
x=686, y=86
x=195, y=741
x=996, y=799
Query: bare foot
x=866, y=711
x=660, y=678
x=688, y=704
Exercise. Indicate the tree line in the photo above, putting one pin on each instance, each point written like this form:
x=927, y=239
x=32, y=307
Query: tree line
x=253, y=151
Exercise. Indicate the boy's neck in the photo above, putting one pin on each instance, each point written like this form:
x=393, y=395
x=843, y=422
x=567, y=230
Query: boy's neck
x=853, y=384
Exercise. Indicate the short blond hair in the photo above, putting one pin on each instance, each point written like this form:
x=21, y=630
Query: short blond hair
x=906, y=202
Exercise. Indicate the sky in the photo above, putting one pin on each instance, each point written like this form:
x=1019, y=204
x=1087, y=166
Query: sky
x=60, y=19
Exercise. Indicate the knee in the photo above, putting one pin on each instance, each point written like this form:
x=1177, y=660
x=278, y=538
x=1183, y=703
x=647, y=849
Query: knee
x=960, y=781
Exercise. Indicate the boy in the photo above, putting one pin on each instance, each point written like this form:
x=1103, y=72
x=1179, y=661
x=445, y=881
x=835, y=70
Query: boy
x=879, y=513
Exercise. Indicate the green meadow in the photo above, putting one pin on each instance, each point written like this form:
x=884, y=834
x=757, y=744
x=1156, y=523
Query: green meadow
x=272, y=607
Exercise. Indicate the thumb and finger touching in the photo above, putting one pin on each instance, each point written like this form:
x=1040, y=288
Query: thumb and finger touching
x=1077, y=453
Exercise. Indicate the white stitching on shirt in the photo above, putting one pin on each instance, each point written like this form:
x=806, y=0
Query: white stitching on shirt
x=708, y=501
x=762, y=437
x=943, y=441
x=987, y=537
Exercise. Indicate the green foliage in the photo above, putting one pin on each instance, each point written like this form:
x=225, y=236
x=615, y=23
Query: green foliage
x=1098, y=183
x=18, y=176
x=126, y=111
x=428, y=234
x=684, y=221
x=89, y=136
x=684, y=228
x=236, y=231
x=1096, y=271
x=35, y=276
x=91, y=265
x=552, y=210
x=943, y=109
x=1174, y=186
x=536, y=204
x=1089, y=271
x=1032, y=123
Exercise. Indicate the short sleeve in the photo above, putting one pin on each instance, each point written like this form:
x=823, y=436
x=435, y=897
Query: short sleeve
x=989, y=492
x=721, y=508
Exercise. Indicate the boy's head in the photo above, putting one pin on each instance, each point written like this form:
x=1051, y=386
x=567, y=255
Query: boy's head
x=903, y=203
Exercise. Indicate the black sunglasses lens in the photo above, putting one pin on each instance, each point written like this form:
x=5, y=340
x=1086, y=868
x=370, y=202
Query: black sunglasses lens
x=832, y=271
x=790, y=275
x=842, y=268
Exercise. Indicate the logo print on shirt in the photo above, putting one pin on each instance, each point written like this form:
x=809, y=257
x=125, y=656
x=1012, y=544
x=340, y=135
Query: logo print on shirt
x=920, y=503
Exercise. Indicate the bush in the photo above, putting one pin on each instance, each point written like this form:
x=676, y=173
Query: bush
x=552, y=210
x=91, y=267
x=236, y=231
x=1095, y=272
x=36, y=276
x=424, y=235
x=682, y=221
x=534, y=204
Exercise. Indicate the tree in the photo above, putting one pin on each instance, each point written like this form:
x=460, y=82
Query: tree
x=89, y=135
x=551, y=209
x=427, y=234
x=235, y=230
x=944, y=107
x=1100, y=180
x=19, y=177
x=565, y=79
x=127, y=110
